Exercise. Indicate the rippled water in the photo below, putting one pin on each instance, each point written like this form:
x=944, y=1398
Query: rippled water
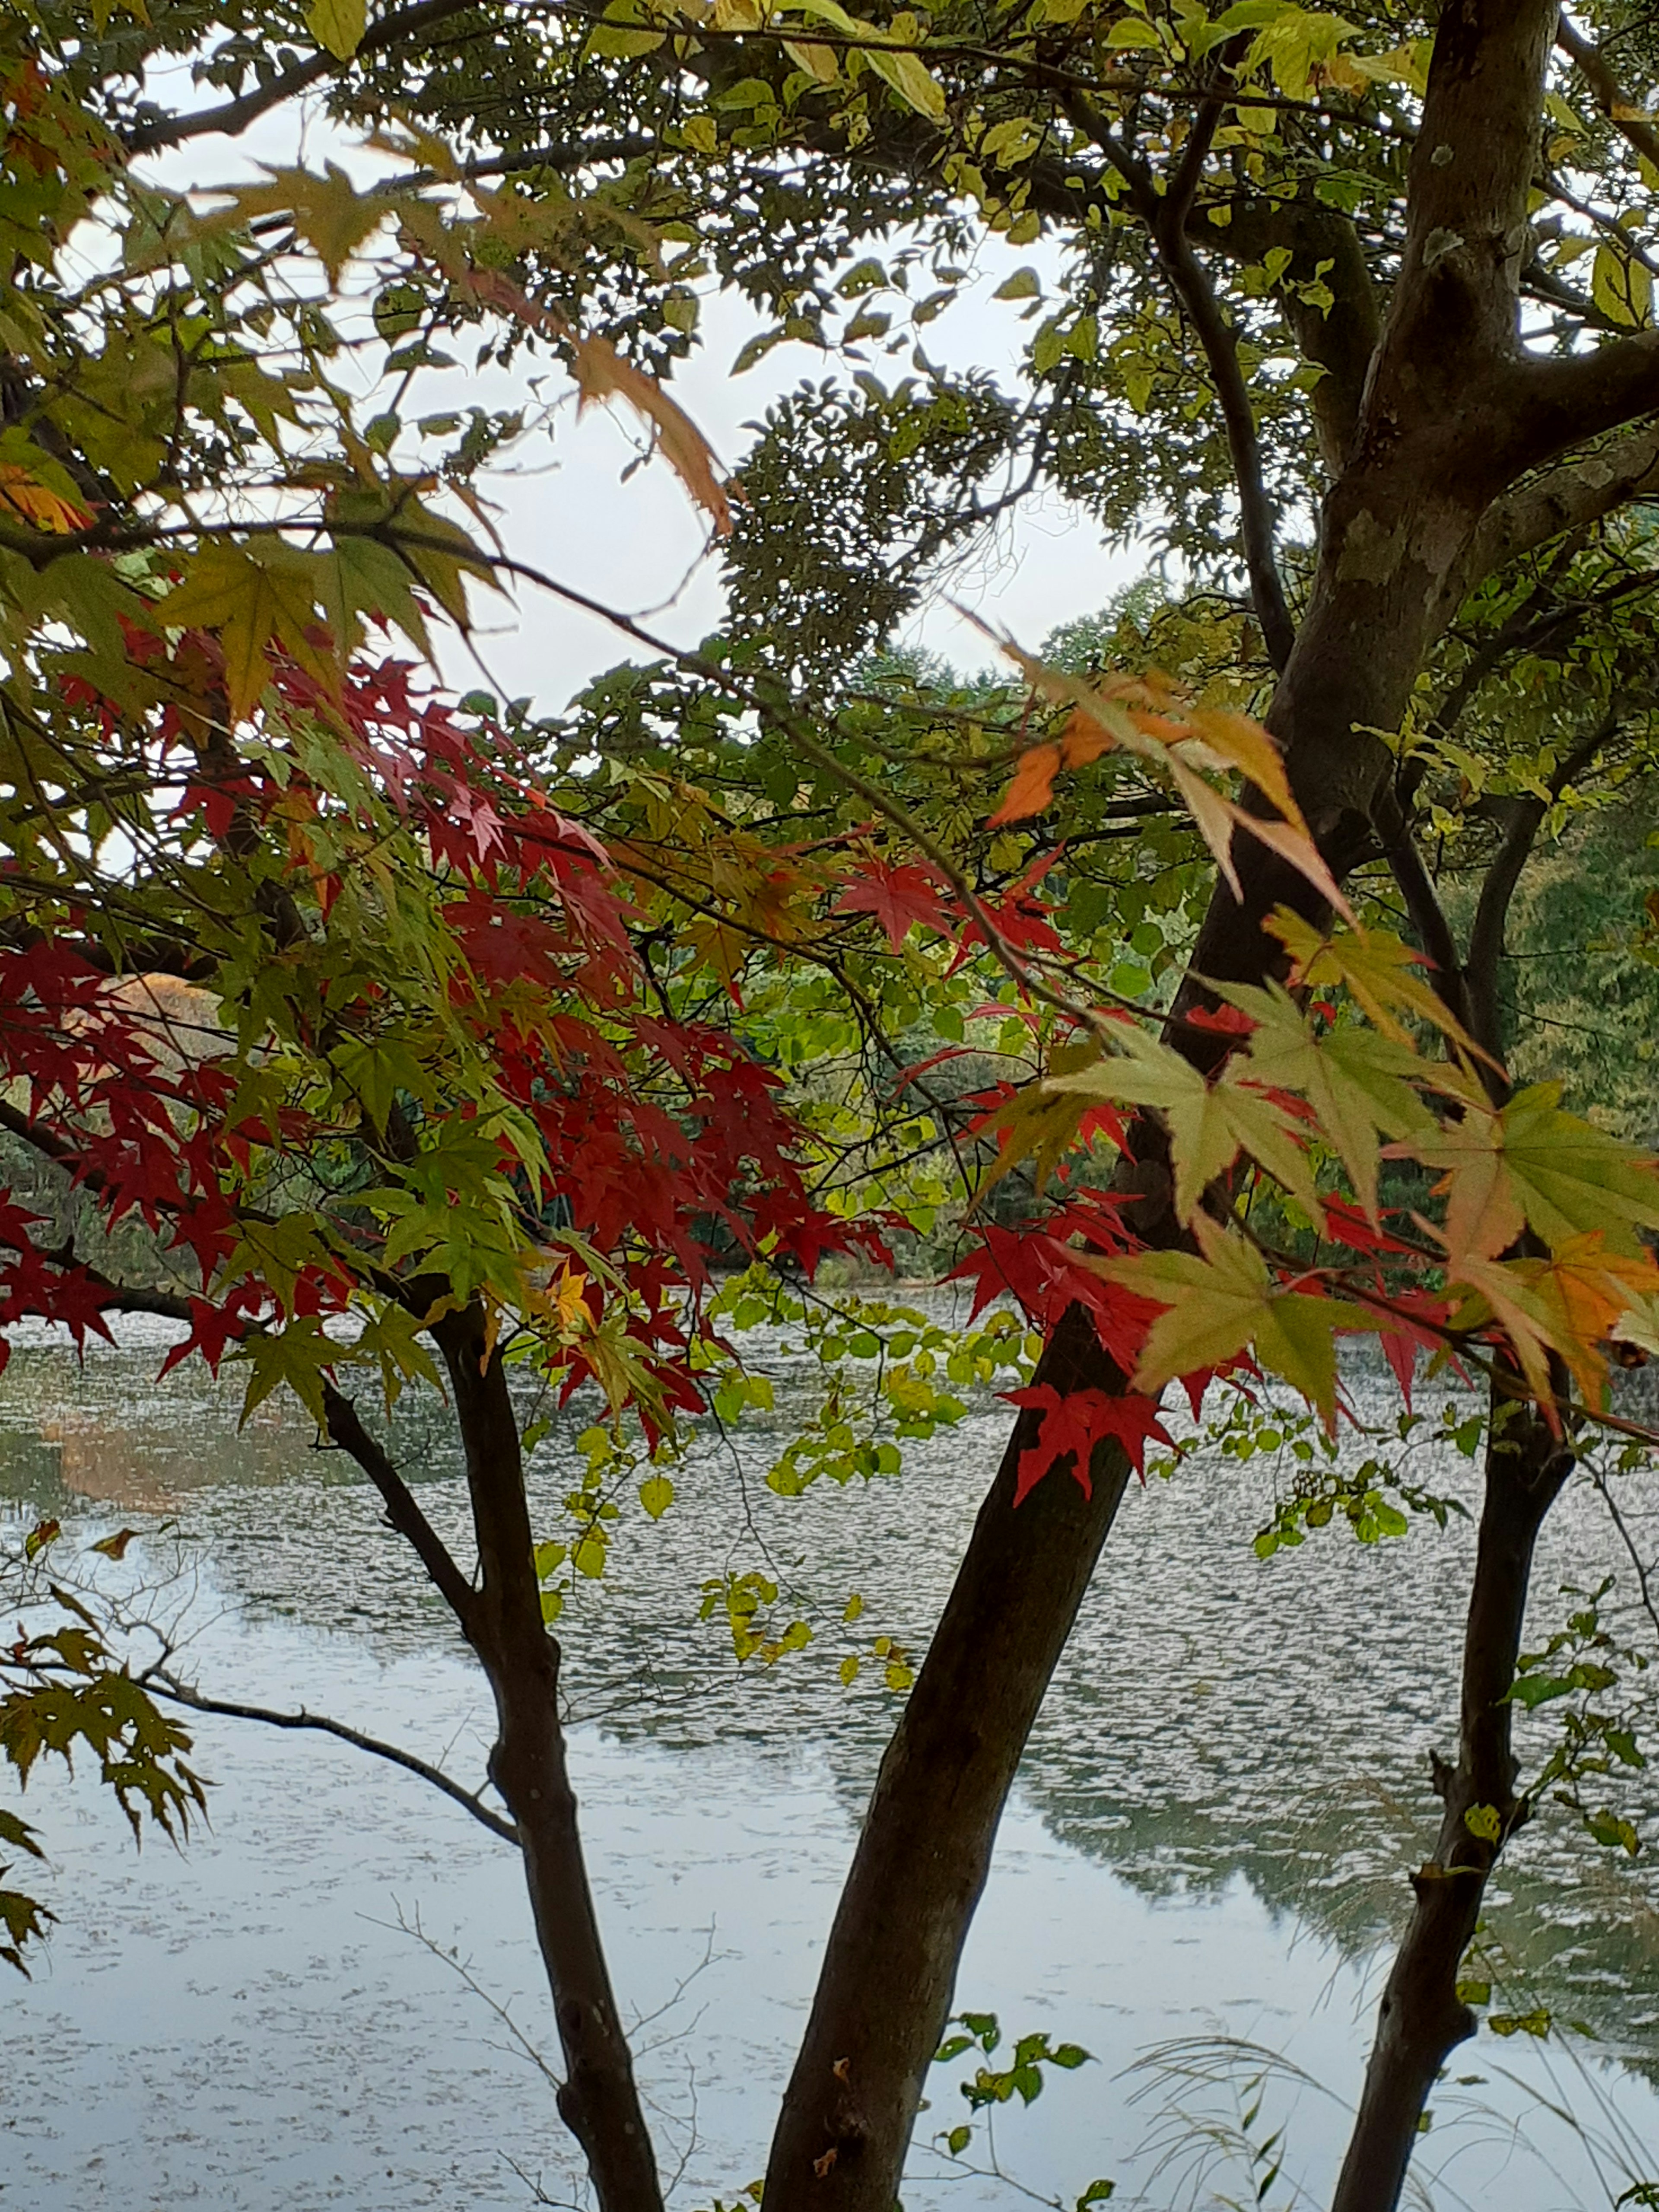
x=1208, y=1839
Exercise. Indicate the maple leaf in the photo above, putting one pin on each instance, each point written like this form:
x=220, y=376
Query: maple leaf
x=1145, y=717
x=1532, y=1162
x=329, y=212
x=1032, y=788
x=24, y=494
x=898, y=897
x=1564, y=1305
x=1358, y=1084
x=1209, y=1123
x=1378, y=970
x=1221, y=1301
x=250, y=596
x=601, y=371
x=1037, y=1121
x=1076, y=1421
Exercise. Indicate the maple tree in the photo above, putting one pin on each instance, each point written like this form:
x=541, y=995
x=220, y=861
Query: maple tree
x=431, y=1045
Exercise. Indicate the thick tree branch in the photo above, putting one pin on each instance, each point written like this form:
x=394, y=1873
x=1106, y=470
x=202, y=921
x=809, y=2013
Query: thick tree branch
x=233, y=117
x=1575, y=492
x=598, y=2099
x=1561, y=401
x=1421, y=2017
x=164, y=1684
x=1619, y=110
x=1341, y=340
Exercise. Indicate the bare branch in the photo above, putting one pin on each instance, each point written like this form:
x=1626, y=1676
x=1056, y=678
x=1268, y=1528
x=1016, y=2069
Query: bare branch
x=233, y=117
x=344, y=1429
x=1166, y=224
x=164, y=1684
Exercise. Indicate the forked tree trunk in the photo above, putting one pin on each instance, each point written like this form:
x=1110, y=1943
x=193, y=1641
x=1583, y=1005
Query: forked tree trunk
x=598, y=2099
x=1445, y=427
x=885, y=1988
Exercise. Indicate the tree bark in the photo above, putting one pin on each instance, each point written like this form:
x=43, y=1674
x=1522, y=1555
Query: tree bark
x=1421, y=2017
x=889, y=1967
x=599, y=2100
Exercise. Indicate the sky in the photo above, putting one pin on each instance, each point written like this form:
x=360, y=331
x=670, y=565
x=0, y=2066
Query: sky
x=639, y=545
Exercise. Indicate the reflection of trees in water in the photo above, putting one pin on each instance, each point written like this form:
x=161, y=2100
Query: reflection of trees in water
x=1215, y=1717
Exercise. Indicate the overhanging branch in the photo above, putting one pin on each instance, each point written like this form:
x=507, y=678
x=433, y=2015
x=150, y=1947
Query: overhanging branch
x=1576, y=492
x=164, y=1684
x=346, y=1430
x=233, y=117
x=1165, y=218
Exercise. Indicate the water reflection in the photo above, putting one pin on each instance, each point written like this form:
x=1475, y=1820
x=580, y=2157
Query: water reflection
x=1221, y=1727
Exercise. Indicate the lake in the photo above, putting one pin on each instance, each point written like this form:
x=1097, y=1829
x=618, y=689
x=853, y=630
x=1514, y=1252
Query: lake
x=1202, y=1865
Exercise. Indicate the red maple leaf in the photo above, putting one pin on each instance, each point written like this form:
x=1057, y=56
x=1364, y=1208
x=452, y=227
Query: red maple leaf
x=898, y=897
x=1075, y=1423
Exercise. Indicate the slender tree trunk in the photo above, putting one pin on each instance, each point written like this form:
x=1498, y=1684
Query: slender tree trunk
x=599, y=2100
x=1422, y=2018
x=889, y=1967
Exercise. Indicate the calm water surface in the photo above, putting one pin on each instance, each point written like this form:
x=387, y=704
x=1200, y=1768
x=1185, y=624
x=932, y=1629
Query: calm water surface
x=1207, y=1847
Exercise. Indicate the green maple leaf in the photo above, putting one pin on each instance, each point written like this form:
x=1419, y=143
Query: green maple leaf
x=1221, y=1300
x=1358, y=1084
x=251, y=595
x=299, y=1355
x=1532, y=1162
x=1209, y=1123
x=1380, y=971
x=329, y=212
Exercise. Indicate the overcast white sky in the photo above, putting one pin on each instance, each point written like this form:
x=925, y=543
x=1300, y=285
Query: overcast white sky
x=640, y=546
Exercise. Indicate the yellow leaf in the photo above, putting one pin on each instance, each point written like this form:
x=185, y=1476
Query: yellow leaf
x=913, y=81
x=329, y=212
x=1564, y=1304
x=24, y=494
x=1039, y=1122
x=1224, y=1302
x=656, y=1495
x=1562, y=1177
x=1621, y=287
x=1358, y=1084
x=1376, y=969
x=249, y=594
x=1144, y=716
x=338, y=25
x=817, y=61
x=601, y=371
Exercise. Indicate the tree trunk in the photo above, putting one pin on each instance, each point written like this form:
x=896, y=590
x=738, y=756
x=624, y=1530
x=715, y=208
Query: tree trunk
x=884, y=1986
x=1451, y=418
x=889, y=1967
x=599, y=2100
x=1422, y=2018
